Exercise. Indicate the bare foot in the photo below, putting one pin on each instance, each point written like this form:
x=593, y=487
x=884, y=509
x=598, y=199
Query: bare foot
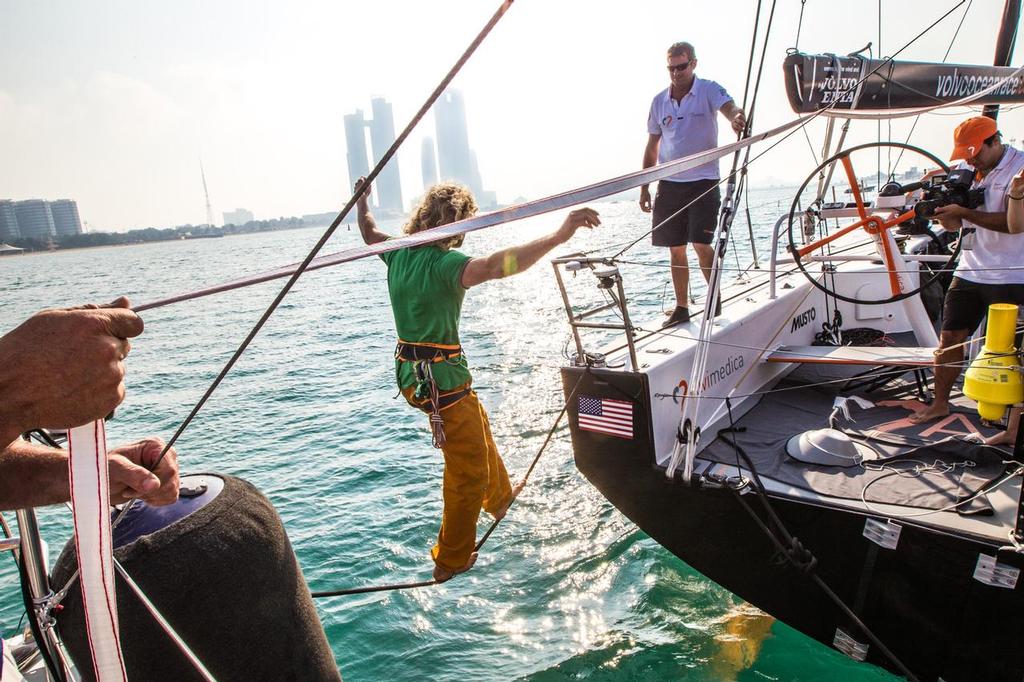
x=929, y=413
x=516, y=489
x=1002, y=438
x=442, y=574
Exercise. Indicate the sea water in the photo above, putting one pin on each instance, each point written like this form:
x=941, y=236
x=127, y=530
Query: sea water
x=566, y=588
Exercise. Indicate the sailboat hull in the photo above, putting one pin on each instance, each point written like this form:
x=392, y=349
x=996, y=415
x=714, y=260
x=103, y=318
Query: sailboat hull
x=921, y=599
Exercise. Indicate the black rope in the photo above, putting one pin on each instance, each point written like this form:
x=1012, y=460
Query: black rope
x=790, y=549
x=479, y=545
x=337, y=221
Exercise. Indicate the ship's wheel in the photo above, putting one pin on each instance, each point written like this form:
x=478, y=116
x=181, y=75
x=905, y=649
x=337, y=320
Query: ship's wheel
x=807, y=227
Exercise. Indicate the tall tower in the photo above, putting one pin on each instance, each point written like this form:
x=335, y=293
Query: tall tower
x=355, y=143
x=65, y=217
x=8, y=221
x=457, y=160
x=206, y=193
x=452, y=138
x=428, y=162
x=382, y=136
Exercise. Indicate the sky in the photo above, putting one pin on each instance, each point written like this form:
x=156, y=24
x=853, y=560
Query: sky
x=114, y=103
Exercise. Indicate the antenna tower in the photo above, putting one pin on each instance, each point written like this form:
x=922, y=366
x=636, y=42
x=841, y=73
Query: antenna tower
x=206, y=192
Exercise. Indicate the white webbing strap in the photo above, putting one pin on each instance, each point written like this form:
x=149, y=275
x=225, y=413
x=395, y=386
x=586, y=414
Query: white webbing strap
x=90, y=502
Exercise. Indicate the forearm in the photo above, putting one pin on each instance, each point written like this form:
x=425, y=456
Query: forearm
x=11, y=395
x=32, y=476
x=1015, y=217
x=990, y=221
x=650, y=155
x=367, y=224
x=516, y=259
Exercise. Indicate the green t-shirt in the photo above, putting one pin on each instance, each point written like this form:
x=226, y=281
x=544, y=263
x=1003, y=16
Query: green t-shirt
x=425, y=286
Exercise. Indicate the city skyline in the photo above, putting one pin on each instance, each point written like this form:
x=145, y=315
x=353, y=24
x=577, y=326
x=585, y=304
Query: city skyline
x=258, y=92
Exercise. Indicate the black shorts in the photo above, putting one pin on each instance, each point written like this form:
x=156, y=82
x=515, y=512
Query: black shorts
x=696, y=222
x=967, y=302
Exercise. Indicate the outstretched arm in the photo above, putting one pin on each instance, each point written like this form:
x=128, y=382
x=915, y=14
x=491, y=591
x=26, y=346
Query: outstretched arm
x=519, y=258
x=367, y=225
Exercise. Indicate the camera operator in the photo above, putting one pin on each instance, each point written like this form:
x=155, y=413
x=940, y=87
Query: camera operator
x=988, y=269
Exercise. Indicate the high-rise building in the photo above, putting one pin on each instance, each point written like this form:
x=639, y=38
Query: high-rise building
x=382, y=136
x=34, y=219
x=8, y=221
x=457, y=161
x=65, y=217
x=428, y=162
x=355, y=143
x=239, y=216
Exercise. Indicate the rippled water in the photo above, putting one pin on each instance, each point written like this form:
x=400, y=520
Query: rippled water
x=565, y=589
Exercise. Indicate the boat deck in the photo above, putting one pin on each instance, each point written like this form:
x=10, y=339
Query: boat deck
x=936, y=475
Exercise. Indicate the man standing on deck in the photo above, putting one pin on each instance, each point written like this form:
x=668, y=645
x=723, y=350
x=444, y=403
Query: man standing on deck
x=988, y=269
x=682, y=122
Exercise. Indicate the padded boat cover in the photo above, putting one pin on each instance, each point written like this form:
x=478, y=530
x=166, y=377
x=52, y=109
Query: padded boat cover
x=959, y=468
x=227, y=580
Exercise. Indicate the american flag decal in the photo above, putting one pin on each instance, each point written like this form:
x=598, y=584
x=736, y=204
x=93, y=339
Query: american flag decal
x=613, y=417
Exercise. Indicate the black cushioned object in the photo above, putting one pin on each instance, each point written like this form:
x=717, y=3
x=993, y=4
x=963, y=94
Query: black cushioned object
x=226, y=579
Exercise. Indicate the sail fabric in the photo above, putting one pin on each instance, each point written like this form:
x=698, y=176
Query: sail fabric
x=90, y=504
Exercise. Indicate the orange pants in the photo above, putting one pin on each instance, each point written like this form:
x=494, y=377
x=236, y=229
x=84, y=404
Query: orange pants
x=474, y=477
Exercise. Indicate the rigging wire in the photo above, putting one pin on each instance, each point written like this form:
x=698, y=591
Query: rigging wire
x=799, y=25
x=495, y=18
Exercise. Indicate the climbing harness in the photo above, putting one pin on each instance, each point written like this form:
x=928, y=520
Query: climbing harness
x=427, y=395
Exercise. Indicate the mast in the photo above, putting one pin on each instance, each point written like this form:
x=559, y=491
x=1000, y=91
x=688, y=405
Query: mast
x=1004, y=44
x=206, y=192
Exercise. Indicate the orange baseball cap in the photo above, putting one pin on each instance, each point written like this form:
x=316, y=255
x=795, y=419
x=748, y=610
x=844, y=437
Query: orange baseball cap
x=969, y=136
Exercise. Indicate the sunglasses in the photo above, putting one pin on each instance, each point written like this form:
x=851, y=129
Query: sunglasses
x=678, y=67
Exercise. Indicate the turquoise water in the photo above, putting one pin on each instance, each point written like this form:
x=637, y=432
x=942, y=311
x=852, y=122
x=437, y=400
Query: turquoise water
x=565, y=589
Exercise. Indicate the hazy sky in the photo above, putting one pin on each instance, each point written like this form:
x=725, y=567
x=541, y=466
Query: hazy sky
x=113, y=103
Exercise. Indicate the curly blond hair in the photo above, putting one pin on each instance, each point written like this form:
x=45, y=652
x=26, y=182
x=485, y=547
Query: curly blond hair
x=442, y=204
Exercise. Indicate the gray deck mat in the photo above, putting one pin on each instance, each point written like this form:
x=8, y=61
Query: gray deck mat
x=959, y=468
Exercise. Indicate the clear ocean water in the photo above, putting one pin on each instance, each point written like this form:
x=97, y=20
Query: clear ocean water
x=566, y=588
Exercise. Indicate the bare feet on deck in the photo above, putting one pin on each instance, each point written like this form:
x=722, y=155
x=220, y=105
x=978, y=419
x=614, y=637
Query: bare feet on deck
x=442, y=574
x=930, y=413
x=1002, y=438
x=516, y=489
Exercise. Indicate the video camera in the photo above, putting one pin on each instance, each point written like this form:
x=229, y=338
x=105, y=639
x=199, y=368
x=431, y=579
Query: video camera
x=946, y=190
x=940, y=190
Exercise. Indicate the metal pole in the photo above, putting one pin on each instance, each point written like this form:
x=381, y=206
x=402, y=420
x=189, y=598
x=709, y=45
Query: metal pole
x=34, y=561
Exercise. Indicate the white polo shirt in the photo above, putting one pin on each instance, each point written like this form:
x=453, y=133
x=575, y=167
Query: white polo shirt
x=994, y=250
x=688, y=126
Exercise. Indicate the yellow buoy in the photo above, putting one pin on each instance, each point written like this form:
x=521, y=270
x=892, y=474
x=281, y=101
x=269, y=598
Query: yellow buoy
x=993, y=379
